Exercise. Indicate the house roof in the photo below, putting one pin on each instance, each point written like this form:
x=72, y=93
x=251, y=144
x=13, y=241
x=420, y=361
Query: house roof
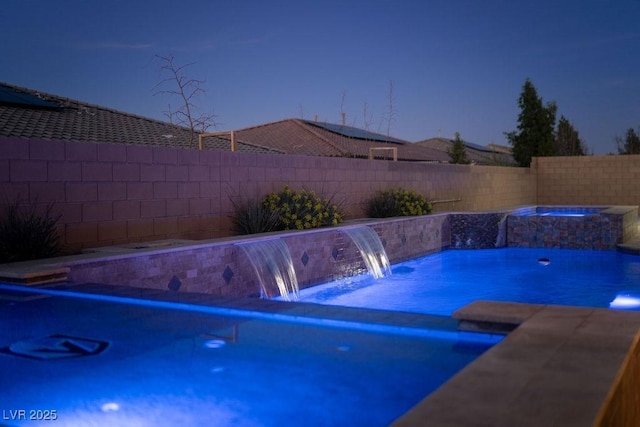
x=26, y=113
x=475, y=153
x=296, y=136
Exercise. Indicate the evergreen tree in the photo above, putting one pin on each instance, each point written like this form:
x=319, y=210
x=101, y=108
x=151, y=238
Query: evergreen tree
x=567, y=139
x=630, y=144
x=536, y=124
x=458, y=152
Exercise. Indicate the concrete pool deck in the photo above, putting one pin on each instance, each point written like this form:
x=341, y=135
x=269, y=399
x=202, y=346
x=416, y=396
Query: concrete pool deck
x=561, y=366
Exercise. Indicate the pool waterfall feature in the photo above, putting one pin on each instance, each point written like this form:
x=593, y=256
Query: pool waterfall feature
x=272, y=262
x=478, y=230
x=371, y=249
x=222, y=267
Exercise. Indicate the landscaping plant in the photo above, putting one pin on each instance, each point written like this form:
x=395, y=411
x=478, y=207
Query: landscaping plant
x=254, y=217
x=286, y=210
x=397, y=202
x=26, y=234
x=301, y=210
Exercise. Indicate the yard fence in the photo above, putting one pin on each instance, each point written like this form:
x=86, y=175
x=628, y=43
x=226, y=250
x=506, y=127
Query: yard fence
x=111, y=194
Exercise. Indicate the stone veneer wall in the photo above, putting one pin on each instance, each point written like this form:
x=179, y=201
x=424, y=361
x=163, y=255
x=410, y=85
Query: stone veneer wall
x=222, y=268
x=478, y=230
x=111, y=194
x=602, y=228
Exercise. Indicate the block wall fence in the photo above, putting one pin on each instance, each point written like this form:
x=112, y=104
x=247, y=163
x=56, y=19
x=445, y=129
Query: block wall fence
x=110, y=194
x=588, y=180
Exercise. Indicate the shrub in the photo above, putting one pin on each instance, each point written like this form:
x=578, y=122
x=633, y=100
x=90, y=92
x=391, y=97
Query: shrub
x=25, y=234
x=301, y=210
x=254, y=217
x=397, y=202
x=285, y=210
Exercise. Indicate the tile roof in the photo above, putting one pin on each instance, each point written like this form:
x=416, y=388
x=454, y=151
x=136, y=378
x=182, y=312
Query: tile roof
x=57, y=118
x=26, y=113
x=475, y=153
x=296, y=136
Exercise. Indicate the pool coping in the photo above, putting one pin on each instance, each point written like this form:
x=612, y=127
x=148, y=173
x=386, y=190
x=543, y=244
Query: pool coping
x=559, y=366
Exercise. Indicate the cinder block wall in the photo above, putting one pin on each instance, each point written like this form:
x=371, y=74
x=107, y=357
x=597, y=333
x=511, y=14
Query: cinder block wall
x=588, y=180
x=112, y=194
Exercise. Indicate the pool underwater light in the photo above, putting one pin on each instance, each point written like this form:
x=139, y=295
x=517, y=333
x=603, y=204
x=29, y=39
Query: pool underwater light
x=215, y=343
x=625, y=301
x=110, y=407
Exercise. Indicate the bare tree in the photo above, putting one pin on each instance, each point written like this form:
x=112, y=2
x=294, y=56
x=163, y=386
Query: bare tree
x=366, y=116
x=187, y=90
x=391, y=112
x=343, y=114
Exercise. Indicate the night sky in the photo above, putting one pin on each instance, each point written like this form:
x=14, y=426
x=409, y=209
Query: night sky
x=454, y=66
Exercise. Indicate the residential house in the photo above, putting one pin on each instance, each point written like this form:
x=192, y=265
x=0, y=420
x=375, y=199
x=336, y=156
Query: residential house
x=477, y=154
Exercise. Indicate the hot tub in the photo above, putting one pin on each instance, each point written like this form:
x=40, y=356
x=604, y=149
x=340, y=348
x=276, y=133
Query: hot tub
x=570, y=227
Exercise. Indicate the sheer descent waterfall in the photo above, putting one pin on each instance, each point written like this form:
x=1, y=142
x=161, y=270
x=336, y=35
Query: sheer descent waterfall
x=272, y=263
x=371, y=249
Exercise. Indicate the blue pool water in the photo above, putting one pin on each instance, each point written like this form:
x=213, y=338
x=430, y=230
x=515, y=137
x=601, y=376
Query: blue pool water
x=95, y=360
x=575, y=211
x=443, y=282
x=570, y=214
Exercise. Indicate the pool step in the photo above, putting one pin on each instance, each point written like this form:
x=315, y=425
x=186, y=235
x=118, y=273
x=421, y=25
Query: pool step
x=32, y=274
x=494, y=317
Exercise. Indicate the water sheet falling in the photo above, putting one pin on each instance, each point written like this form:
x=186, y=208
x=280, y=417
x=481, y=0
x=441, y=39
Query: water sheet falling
x=272, y=263
x=371, y=249
x=501, y=239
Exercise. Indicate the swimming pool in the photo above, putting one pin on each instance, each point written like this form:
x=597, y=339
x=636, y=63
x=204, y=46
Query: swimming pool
x=80, y=358
x=443, y=282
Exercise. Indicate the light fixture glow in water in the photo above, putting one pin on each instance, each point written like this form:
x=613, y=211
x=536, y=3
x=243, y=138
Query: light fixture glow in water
x=625, y=301
x=110, y=407
x=215, y=343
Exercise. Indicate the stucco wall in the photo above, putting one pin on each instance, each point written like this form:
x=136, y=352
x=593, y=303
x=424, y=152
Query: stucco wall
x=111, y=194
x=588, y=180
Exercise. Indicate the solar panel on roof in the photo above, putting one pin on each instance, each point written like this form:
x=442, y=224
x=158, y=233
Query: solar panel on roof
x=11, y=96
x=478, y=147
x=351, y=132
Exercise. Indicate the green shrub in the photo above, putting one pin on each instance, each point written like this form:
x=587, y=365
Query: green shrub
x=285, y=210
x=26, y=234
x=301, y=210
x=397, y=202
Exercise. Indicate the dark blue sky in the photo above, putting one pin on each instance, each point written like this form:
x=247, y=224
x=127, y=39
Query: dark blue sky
x=456, y=66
